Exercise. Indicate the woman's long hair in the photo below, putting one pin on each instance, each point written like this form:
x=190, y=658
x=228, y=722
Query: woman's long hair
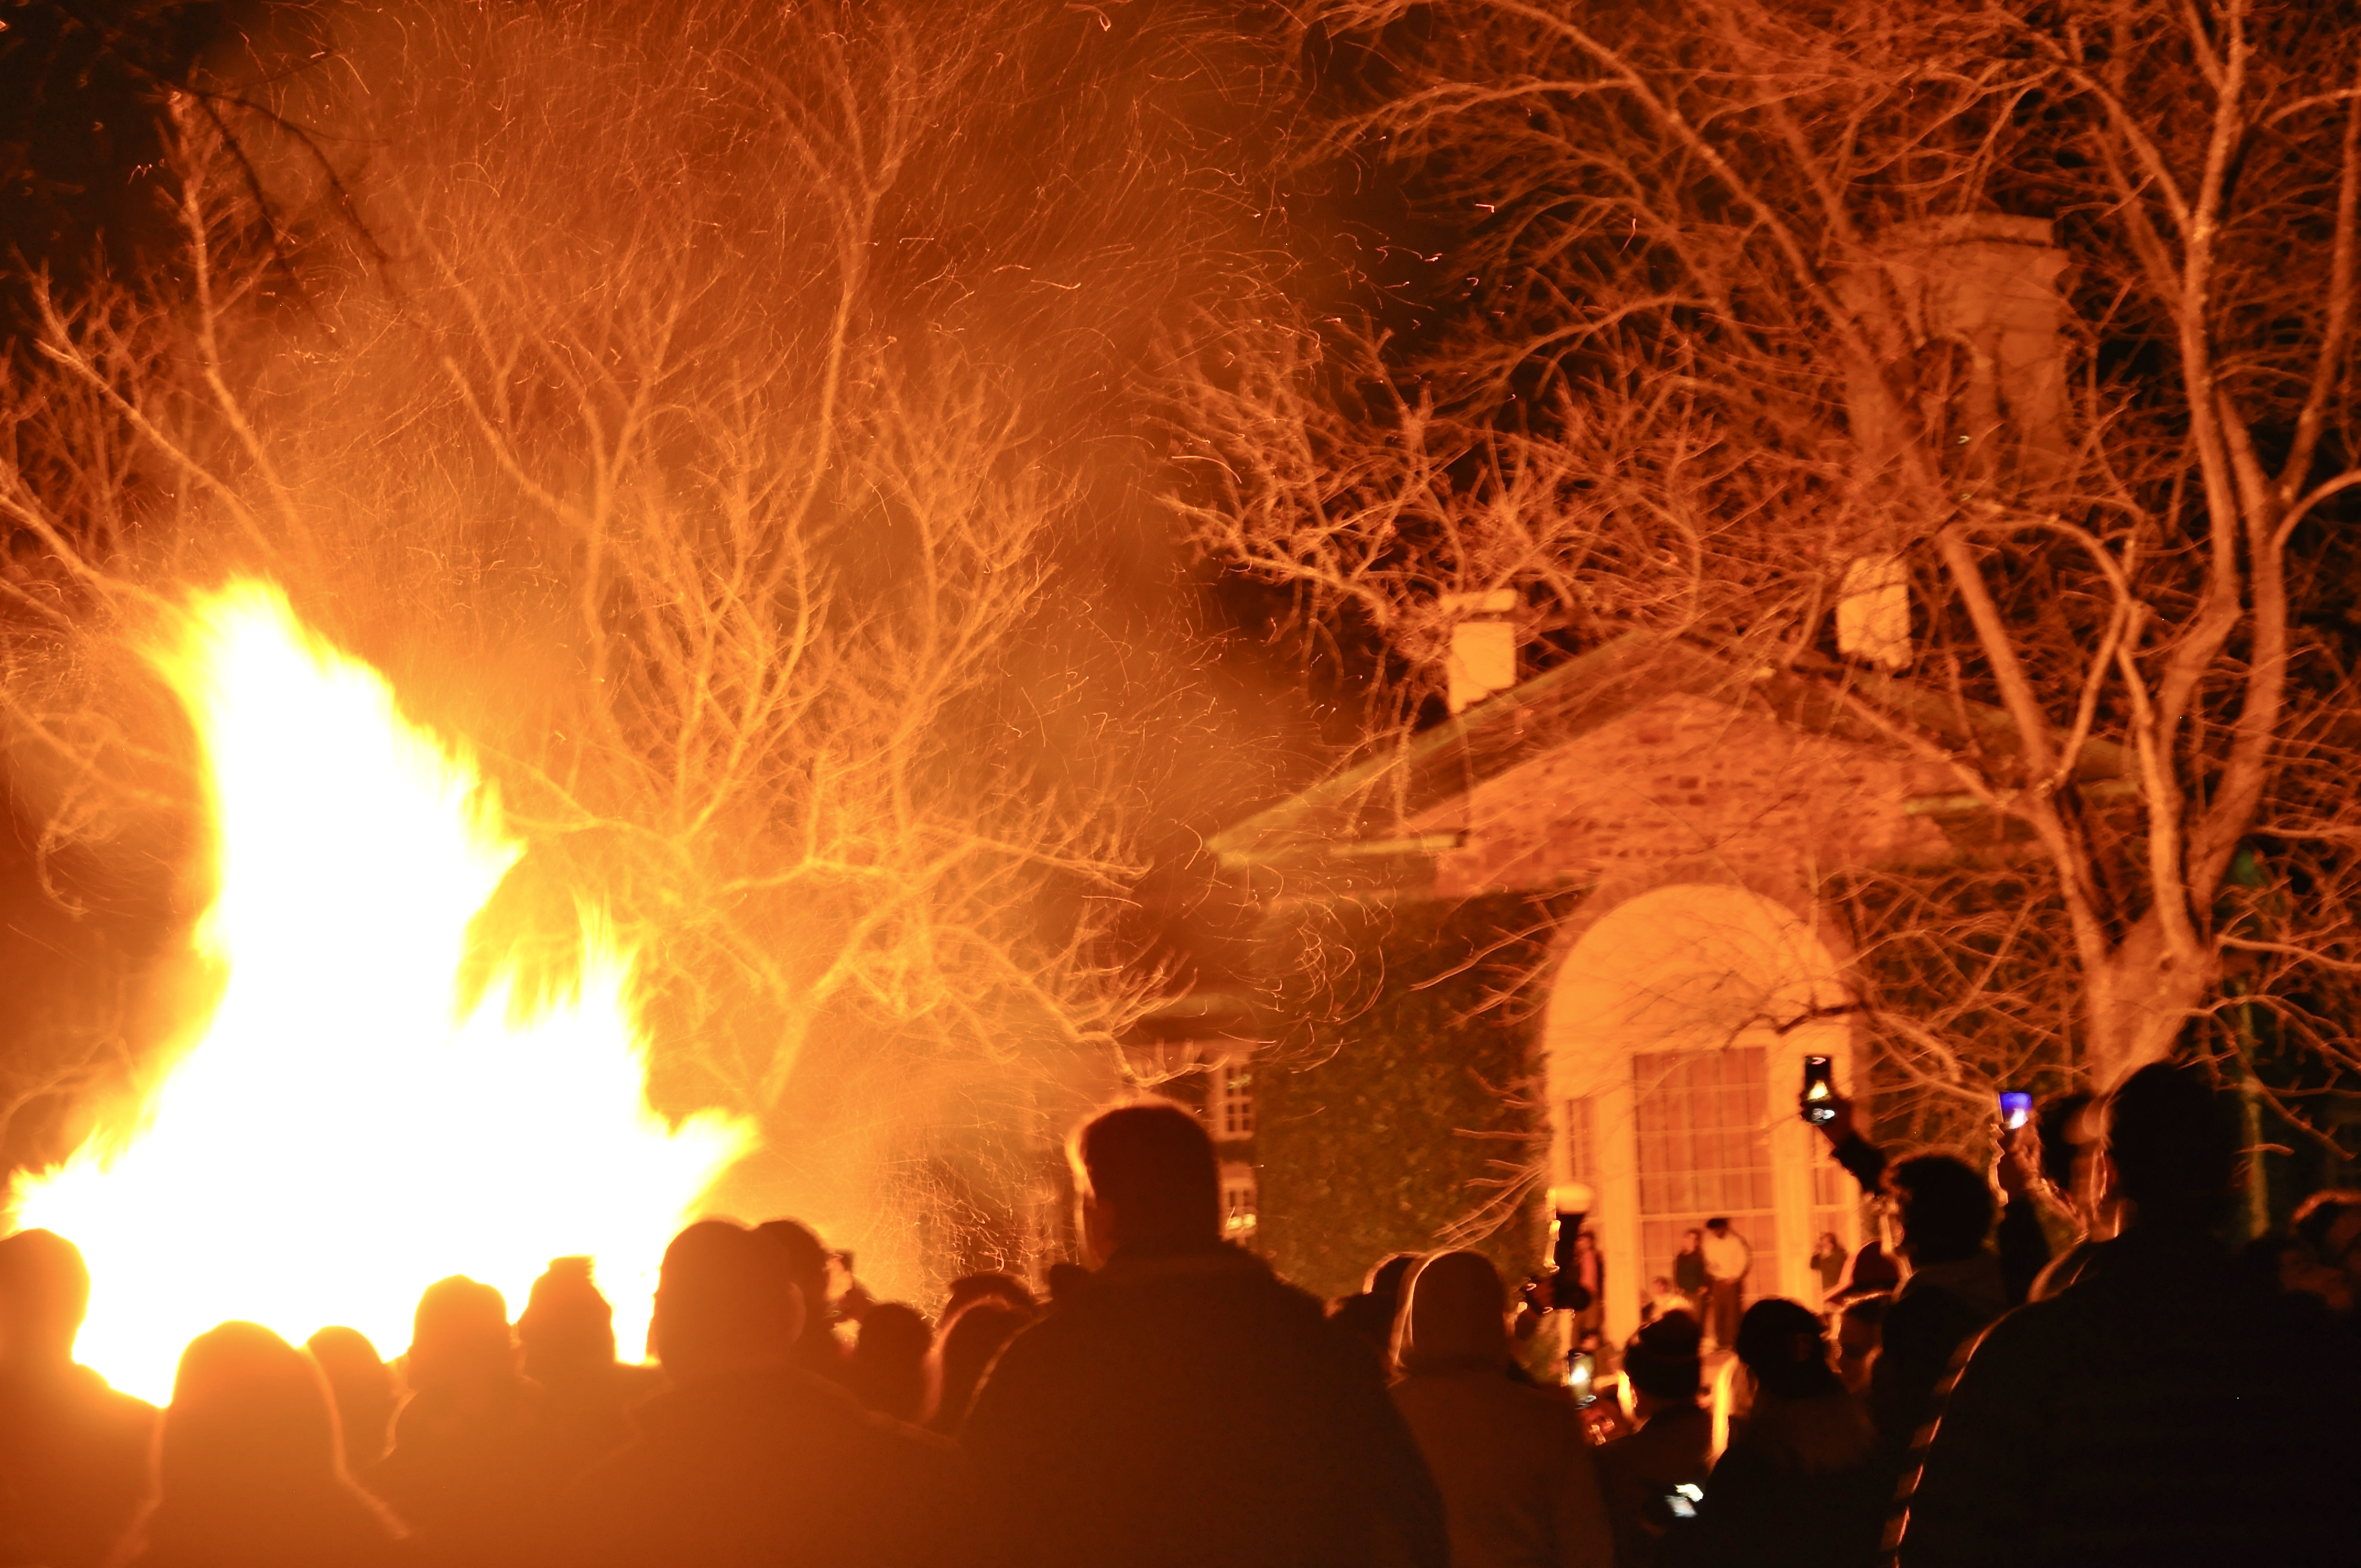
x=250, y=1468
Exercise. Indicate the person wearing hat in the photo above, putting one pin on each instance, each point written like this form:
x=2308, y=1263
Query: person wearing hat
x=1672, y=1447
x=1802, y=1482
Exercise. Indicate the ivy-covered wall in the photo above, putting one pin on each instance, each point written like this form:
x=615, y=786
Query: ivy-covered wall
x=1404, y=1087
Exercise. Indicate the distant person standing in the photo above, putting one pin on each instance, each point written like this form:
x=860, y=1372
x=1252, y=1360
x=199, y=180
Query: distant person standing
x=1663, y=1301
x=1727, y=1260
x=1590, y=1273
x=1688, y=1272
x=1830, y=1258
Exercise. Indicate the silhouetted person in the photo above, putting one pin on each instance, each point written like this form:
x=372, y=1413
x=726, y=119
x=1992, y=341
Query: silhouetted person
x=1942, y=1211
x=970, y=1341
x=248, y=1470
x=73, y=1452
x=1520, y=1487
x=888, y=1370
x=1590, y=1273
x=1369, y=1315
x=1672, y=1444
x=1802, y=1482
x=566, y=1335
x=1861, y=1328
x=2153, y=1411
x=817, y=1349
x=362, y=1386
x=1728, y=1261
x=475, y=1468
x=2021, y=1247
x=993, y=1284
x=1828, y=1258
x=1870, y=1273
x=1065, y=1280
x=1189, y=1407
x=748, y=1459
x=1688, y=1272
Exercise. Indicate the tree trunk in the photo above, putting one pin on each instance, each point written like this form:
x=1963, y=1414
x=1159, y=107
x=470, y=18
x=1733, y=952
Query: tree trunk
x=2139, y=1001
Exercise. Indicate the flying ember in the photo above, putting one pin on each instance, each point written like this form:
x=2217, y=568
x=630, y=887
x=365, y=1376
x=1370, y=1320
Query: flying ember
x=349, y=1126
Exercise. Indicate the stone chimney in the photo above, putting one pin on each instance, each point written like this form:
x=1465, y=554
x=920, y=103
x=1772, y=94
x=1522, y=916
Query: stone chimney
x=1483, y=657
x=1980, y=289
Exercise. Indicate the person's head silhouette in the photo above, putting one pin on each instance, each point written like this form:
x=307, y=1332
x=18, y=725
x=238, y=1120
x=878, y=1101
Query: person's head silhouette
x=1455, y=1317
x=248, y=1467
x=567, y=1328
x=727, y=1304
x=249, y=1412
x=362, y=1387
x=1663, y=1362
x=807, y=1257
x=889, y=1370
x=2168, y=1158
x=1785, y=1346
x=44, y=1294
x=460, y=1336
x=1149, y=1181
x=1943, y=1209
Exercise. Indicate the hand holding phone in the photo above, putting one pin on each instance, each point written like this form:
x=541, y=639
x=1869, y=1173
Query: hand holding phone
x=1820, y=1098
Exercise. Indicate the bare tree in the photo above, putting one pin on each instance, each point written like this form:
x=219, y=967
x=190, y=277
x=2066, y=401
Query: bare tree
x=2039, y=315
x=694, y=420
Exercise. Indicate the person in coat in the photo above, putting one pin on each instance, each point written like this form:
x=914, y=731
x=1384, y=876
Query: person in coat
x=248, y=1467
x=1671, y=1446
x=1803, y=1483
x=2155, y=1411
x=1188, y=1408
x=73, y=1451
x=753, y=1459
x=1520, y=1485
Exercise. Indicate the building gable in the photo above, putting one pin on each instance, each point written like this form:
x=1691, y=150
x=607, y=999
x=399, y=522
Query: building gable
x=1688, y=787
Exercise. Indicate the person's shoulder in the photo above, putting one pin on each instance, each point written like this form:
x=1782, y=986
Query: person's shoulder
x=615, y=1475
x=1059, y=1335
x=125, y=1413
x=1499, y=1400
x=905, y=1437
x=2036, y=1333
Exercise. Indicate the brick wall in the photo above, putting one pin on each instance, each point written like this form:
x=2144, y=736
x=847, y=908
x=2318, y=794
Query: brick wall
x=1685, y=790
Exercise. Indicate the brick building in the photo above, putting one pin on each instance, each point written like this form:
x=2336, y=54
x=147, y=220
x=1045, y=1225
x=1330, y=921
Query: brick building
x=1654, y=825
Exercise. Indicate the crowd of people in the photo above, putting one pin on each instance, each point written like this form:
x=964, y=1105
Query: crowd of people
x=1962, y=1397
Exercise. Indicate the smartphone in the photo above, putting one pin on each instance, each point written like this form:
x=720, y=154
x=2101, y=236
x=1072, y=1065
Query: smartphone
x=1819, y=1092
x=1582, y=1377
x=1682, y=1501
x=2016, y=1107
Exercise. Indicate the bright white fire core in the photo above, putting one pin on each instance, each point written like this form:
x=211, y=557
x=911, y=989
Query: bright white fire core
x=348, y=1129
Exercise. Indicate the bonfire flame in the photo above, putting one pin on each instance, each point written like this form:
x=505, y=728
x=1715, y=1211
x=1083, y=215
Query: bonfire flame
x=349, y=1128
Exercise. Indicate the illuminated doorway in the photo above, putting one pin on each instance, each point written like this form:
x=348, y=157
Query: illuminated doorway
x=1675, y=1036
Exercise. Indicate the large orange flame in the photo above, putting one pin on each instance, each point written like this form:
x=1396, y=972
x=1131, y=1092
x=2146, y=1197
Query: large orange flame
x=348, y=1128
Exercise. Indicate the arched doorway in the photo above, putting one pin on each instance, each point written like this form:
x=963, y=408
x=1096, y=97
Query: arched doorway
x=1677, y=1035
